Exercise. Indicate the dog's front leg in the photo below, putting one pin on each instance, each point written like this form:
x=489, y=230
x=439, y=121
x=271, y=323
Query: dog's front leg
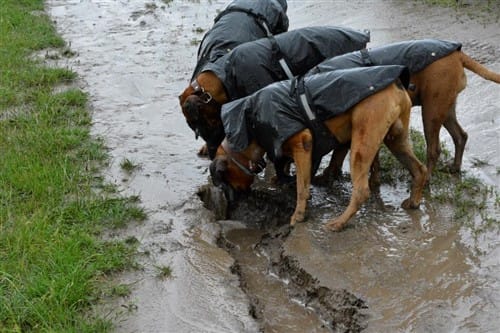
x=362, y=156
x=300, y=146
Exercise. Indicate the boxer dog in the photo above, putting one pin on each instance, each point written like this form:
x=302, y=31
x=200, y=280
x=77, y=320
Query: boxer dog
x=437, y=77
x=364, y=106
x=253, y=65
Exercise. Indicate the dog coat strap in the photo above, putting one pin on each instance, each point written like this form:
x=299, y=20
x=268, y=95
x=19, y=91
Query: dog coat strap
x=324, y=141
x=303, y=100
x=281, y=59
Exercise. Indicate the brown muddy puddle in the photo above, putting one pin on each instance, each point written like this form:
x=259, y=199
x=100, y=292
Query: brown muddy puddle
x=389, y=271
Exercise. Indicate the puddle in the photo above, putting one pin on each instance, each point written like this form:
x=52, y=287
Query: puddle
x=390, y=270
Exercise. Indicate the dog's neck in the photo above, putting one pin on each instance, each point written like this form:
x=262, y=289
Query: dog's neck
x=250, y=160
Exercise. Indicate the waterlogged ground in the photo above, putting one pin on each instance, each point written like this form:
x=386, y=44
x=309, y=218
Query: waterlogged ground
x=391, y=270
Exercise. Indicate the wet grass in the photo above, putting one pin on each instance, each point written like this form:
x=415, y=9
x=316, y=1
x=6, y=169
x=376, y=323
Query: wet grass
x=164, y=272
x=121, y=290
x=54, y=205
x=128, y=166
x=468, y=196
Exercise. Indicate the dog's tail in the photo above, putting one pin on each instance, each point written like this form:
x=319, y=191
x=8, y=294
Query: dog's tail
x=479, y=69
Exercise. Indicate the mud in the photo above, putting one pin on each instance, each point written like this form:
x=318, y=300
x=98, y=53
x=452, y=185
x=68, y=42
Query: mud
x=238, y=267
x=254, y=232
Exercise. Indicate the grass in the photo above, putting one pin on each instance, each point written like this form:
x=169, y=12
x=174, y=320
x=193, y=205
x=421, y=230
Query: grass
x=54, y=205
x=164, y=272
x=128, y=166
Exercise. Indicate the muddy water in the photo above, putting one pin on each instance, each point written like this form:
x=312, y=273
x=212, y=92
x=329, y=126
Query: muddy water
x=392, y=270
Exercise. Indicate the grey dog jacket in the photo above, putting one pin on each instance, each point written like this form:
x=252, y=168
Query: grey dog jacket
x=273, y=114
x=253, y=65
x=414, y=54
x=241, y=21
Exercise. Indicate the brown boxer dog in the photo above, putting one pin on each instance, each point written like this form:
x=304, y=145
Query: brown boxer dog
x=436, y=86
x=252, y=66
x=382, y=117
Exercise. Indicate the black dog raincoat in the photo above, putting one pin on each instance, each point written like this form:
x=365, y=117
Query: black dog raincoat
x=253, y=65
x=278, y=111
x=414, y=54
x=241, y=21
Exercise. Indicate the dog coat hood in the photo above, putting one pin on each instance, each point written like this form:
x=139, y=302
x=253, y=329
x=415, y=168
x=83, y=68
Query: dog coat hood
x=248, y=20
x=253, y=65
x=272, y=114
x=415, y=54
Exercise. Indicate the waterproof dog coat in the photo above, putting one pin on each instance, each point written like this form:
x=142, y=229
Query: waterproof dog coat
x=253, y=65
x=273, y=114
x=241, y=21
x=415, y=54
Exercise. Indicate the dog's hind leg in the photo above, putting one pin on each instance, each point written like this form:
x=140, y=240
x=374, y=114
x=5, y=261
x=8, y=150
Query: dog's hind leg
x=371, y=120
x=440, y=84
x=362, y=155
x=459, y=137
x=433, y=119
x=398, y=144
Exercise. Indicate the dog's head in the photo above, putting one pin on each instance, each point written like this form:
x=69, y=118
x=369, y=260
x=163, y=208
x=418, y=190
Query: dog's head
x=232, y=176
x=202, y=113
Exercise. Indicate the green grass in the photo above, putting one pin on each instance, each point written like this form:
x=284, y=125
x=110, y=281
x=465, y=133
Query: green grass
x=164, y=272
x=128, y=166
x=54, y=205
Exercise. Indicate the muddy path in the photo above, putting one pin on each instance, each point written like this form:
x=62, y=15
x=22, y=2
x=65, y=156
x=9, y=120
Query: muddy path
x=246, y=271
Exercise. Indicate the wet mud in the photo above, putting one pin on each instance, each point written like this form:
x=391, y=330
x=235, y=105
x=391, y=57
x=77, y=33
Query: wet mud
x=239, y=267
x=253, y=231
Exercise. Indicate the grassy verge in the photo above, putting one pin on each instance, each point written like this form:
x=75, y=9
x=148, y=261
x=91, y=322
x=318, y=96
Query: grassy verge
x=53, y=204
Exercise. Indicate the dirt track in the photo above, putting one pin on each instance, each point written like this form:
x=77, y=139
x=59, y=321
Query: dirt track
x=392, y=270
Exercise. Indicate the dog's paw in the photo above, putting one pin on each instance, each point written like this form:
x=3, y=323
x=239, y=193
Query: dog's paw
x=296, y=218
x=334, y=225
x=450, y=168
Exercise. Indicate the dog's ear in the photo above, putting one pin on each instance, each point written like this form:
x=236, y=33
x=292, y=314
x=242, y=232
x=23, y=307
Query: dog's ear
x=191, y=108
x=217, y=169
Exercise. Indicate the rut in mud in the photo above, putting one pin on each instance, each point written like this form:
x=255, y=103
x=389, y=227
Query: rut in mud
x=263, y=217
